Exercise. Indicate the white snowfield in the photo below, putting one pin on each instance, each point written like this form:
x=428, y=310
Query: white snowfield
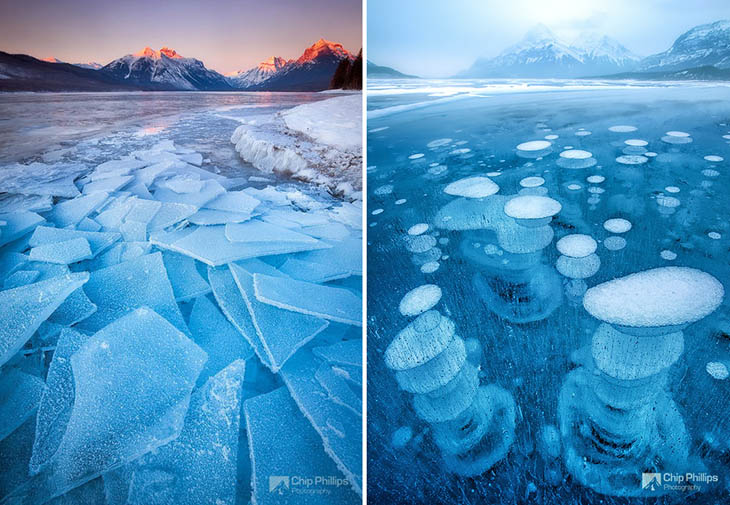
x=318, y=142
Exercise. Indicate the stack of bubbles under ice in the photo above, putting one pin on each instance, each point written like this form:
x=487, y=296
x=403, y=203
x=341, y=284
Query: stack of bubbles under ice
x=473, y=425
x=617, y=417
x=504, y=236
x=170, y=335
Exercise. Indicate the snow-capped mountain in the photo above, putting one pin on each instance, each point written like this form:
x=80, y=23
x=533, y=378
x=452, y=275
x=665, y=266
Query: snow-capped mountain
x=541, y=54
x=246, y=78
x=165, y=70
x=90, y=65
x=312, y=71
x=704, y=45
x=603, y=55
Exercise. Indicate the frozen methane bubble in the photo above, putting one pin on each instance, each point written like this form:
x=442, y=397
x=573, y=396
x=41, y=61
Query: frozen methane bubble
x=714, y=158
x=576, y=158
x=622, y=129
x=418, y=229
x=617, y=225
x=420, y=243
x=614, y=243
x=672, y=189
x=666, y=296
x=420, y=300
x=430, y=267
x=415, y=156
x=439, y=143
x=677, y=137
x=668, y=255
x=532, y=182
x=714, y=235
x=534, y=149
x=677, y=134
x=472, y=187
x=422, y=340
x=717, y=370
x=595, y=179
x=636, y=143
x=577, y=245
x=632, y=159
x=531, y=207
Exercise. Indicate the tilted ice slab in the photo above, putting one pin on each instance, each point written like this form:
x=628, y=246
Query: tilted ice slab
x=26, y=307
x=17, y=224
x=323, y=265
x=186, y=281
x=231, y=302
x=119, y=289
x=98, y=241
x=347, y=352
x=209, y=191
x=234, y=201
x=20, y=394
x=667, y=296
x=200, y=465
x=63, y=253
x=41, y=179
x=20, y=278
x=339, y=427
x=149, y=370
x=215, y=335
x=211, y=244
x=472, y=187
x=335, y=304
x=57, y=401
x=283, y=443
x=71, y=212
x=281, y=332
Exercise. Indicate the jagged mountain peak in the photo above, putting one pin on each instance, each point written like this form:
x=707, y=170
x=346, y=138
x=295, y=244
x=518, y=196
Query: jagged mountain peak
x=598, y=45
x=324, y=47
x=148, y=52
x=700, y=46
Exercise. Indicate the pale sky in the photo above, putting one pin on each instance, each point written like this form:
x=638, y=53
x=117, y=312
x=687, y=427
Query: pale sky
x=227, y=35
x=436, y=38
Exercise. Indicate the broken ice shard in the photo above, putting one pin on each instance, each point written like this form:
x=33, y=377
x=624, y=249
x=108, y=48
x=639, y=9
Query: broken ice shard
x=63, y=253
x=119, y=289
x=19, y=396
x=71, y=212
x=57, y=401
x=98, y=241
x=200, y=464
x=28, y=306
x=187, y=283
x=281, y=332
x=336, y=304
x=282, y=443
x=149, y=369
x=215, y=335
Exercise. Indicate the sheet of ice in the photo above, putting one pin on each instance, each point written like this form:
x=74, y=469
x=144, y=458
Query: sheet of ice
x=657, y=297
x=98, y=241
x=116, y=168
x=26, y=307
x=339, y=427
x=36, y=178
x=260, y=231
x=209, y=191
x=170, y=214
x=71, y=212
x=200, y=465
x=234, y=201
x=280, y=331
x=119, y=289
x=25, y=203
x=336, y=122
x=149, y=370
x=74, y=309
x=472, y=187
x=234, y=307
x=107, y=185
x=419, y=300
x=17, y=224
x=207, y=217
x=20, y=394
x=215, y=335
x=57, y=401
x=342, y=260
x=346, y=352
x=211, y=245
x=64, y=253
x=21, y=278
x=187, y=283
x=88, y=224
x=328, y=231
x=296, y=449
x=335, y=304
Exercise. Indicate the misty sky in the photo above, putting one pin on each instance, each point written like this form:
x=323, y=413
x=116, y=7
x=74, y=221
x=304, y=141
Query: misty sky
x=226, y=34
x=435, y=38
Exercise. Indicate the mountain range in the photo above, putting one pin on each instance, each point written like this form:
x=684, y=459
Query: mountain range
x=702, y=52
x=167, y=70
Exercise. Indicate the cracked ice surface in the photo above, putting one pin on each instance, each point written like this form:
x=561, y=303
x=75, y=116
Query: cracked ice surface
x=133, y=332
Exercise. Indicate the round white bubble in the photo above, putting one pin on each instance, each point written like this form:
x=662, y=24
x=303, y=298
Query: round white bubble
x=714, y=235
x=614, y=243
x=617, y=225
x=632, y=159
x=622, y=128
x=532, y=182
x=671, y=189
x=717, y=370
x=636, y=142
x=472, y=187
x=420, y=299
x=595, y=179
x=534, y=145
x=532, y=207
x=430, y=267
x=418, y=229
x=668, y=255
x=577, y=245
x=377, y=211
x=714, y=158
x=675, y=133
x=575, y=154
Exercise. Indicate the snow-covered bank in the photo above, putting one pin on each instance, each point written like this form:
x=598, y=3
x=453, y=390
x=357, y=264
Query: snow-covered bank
x=318, y=142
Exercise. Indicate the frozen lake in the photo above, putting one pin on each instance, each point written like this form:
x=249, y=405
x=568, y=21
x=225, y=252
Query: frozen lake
x=651, y=158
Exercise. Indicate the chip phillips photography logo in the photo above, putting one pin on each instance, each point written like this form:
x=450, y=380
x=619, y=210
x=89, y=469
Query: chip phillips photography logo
x=668, y=481
x=299, y=484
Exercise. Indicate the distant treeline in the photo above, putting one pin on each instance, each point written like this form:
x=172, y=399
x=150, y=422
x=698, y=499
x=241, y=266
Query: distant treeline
x=348, y=74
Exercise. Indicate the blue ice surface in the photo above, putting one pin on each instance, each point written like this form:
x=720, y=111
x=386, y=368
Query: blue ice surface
x=532, y=360
x=111, y=341
x=293, y=458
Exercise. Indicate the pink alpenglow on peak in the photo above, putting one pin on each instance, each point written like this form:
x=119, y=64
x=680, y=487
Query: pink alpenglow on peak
x=148, y=52
x=324, y=46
